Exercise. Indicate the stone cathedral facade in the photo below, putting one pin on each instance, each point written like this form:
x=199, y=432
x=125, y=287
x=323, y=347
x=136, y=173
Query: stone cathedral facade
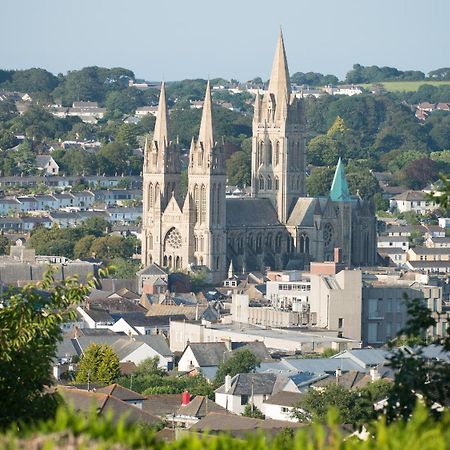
x=279, y=226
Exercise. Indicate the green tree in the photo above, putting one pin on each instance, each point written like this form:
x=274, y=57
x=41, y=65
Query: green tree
x=31, y=322
x=319, y=181
x=108, y=247
x=99, y=364
x=124, y=268
x=251, y=410
x=95, y=226
x=240, y=361
x=322, y=151
x=82, y=248
x=415, y=375
x=239, y=165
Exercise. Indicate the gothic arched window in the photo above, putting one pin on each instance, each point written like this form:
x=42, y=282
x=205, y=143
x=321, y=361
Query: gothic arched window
x=269, y=183
x=218, y=208
x=269, y=153
x=197, y=202
x=277, y=183
x=261, y=182
x=277, y=153
x=213, y=203
x=202, y=242
x=150, y=197
x=328, y=235
x=203, y=204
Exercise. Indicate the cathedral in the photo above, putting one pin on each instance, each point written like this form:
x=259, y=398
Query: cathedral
x=278, y=226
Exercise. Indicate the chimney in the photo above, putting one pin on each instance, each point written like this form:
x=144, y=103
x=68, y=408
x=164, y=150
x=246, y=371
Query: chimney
x=227, y=383
x=374, y=373
x=338, y=375
x=185, y=398
x=337, y=255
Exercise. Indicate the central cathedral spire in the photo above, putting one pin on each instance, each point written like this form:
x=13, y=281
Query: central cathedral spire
x=161, y=133
x=280, y=85
x=205, y=136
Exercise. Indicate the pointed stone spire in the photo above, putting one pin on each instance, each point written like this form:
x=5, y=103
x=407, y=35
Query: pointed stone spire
x=339, y=189
x=205, y=136
x=161, y=133
x=280, y=84
x=230, y=270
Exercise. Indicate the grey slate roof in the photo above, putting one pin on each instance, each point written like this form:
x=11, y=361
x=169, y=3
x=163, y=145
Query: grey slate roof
x=120, y=392
x=321, y=365
x=152, y=269
x=250, y=212
x=284, y=398
x=256, y=383
x=209, y=354
x=303, y=212
x=199, y=407
x=364, y=357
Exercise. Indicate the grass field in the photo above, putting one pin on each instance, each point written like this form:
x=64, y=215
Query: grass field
x=397, y=86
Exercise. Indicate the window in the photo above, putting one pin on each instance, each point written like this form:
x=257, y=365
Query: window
x=284, y=409
x=244, y=399
x=340, y=322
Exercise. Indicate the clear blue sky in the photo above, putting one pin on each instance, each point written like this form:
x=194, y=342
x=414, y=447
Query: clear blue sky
x=177, y=39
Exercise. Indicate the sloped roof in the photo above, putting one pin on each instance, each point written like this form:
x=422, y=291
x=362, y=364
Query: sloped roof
x=120, y=392
x=199, y=407
x=162, y=404
x=339, y=191
x=411, y=196
x=304, y=209
x=256, y=383
x=106, y=404
x=208, y=354
x=284, y=398
x=231, y=423
x=152, y=269
x=258, y=348
x=251, y=212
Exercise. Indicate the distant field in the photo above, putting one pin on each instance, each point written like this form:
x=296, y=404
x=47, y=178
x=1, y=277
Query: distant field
x=397, y=86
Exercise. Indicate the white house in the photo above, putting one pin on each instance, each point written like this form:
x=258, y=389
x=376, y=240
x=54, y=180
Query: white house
x=47, y=164
x=251, y=388
x=280, y=406
x=95, y=317
x=416, y=201
x=401, y=242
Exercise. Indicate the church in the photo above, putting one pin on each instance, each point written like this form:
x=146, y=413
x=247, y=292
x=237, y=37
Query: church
x=278, y=226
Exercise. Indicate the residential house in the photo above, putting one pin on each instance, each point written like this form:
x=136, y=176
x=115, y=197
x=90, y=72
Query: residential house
x=46, y=202
x=106, y=404
x=250, y=388
x=280, y=406
x=437, y=242
x=128, y=349
x=428, y=254
x=9, y=206
x=47, y=164
x=207, y=356
x=393, y=242
x=153, y=279
x=140, y=324
x=95, y=317
x=124, y=215
x=193, y=410
x=415, y=201
x=65, y=199
x=124, y=394
x=239, y=427
x=83, y=199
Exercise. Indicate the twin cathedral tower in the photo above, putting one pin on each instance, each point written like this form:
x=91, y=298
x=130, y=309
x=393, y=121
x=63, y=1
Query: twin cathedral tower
x=278, y=226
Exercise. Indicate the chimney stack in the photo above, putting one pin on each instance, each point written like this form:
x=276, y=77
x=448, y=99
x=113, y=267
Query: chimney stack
x=227, y=383
x=185, y=398
x=374, y=373
x=337, y=255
